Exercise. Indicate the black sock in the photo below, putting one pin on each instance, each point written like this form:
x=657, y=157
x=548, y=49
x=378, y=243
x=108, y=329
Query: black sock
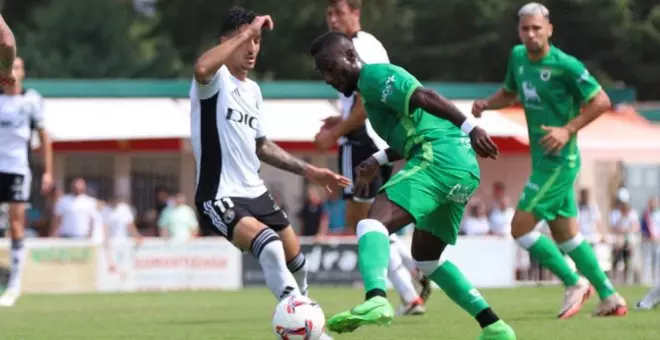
x=486, y=318
x=374, y=293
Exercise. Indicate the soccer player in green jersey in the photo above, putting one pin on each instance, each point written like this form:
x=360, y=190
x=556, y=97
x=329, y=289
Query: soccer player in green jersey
x=431, y=190
x=552, y=87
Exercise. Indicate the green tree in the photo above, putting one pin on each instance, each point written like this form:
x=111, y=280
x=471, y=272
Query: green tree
x=92, y=39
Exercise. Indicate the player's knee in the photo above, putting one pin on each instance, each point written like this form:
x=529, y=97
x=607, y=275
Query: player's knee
x=523, y=223
x=370, y=225
x=266, y=242
x=429, y=266
x=298, y=264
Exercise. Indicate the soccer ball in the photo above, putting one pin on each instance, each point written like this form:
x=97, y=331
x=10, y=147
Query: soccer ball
x=298, y=318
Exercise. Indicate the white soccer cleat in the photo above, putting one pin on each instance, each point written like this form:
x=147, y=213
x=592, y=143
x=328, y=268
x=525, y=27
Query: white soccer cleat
x=414, y=308
x=9, y=297
x=574, y=298
x=645, y=305
x=325, y=336
x=614, y=305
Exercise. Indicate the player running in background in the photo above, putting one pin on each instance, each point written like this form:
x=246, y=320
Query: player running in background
x=21, y=113
x=431, y=190
x=228, y=144
x=552, y=87
x=358, y=142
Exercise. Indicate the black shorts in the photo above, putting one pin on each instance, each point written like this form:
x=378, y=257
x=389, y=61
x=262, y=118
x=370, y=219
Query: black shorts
x=350, y=156
x=220, y=216
x=15, y=188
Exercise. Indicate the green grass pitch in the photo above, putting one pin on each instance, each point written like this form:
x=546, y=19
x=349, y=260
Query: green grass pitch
x=246, y=315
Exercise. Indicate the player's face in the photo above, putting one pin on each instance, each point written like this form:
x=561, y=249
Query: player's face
x=339, y=69
x=245, y=57
x=535, y=32
x=341, y=18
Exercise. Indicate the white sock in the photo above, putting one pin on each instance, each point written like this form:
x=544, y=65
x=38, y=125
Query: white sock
x=400, y=278
x=298, y=267
x=406, y=255
x=17, y=256
x=267, y=247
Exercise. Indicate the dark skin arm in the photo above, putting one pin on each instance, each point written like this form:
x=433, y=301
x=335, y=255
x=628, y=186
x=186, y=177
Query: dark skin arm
x=439, y=106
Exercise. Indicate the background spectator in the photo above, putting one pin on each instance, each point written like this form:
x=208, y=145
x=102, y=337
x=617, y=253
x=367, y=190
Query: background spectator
x=178, y=222
x=74, y=213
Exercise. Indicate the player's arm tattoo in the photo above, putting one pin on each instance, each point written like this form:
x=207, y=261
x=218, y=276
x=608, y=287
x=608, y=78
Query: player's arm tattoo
x=270, y=153
x=437, y=105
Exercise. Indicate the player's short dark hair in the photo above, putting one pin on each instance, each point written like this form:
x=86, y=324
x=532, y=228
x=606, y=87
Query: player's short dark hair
x=326, y=40
x=352, y=4
x=236, y=17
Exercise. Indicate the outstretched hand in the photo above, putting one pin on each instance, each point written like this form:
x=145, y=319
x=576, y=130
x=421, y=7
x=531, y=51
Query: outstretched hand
x=365, y=172
x=326, y=178
x=482, y=144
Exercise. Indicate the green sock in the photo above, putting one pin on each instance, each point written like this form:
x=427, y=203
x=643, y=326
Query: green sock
x=546, y=252
x=459, y=288
x=587, y=264
x=373, y=257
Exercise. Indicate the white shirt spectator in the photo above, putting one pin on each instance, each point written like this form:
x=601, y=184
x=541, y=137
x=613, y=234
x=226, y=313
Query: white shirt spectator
x=500, y=221
x=620, y=221
x=588, y=218
x=118, y=220
x=77, y=214
x=474, y=226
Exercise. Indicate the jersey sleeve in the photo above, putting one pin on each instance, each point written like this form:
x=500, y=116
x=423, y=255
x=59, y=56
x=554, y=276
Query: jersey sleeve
x=206, y=91
x=389, y=85
x=510, y=76
x=371, y=51
x=582, y=84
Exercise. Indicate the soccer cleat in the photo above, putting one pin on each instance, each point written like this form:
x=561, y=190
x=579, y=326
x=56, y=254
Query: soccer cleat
x=9, y=297
x=325, y=336
x=574, y=298
x=414, y=308
x=645, y=304
x=500, y=330
x=424, y=287
x=375, y=311
x=614, y=305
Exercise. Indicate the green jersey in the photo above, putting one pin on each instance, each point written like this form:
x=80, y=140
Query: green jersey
x=386, y=90
x=551, y=90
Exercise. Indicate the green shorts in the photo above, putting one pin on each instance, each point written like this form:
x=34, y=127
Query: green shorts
x=550, y=193
x=433, y=196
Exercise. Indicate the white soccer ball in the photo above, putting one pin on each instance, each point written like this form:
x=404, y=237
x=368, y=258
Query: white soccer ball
x=298, y=318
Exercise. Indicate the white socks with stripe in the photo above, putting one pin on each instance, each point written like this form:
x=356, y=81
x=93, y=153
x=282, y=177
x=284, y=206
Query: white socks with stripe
x=267, y=248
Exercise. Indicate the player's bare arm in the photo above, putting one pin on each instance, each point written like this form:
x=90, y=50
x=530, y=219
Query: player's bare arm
x=210, y=62
x=47, y=152
x=358, y=115
x=270, y=153
x=441, y=107
x=501, y=99
x=7, y=47
x=557, y=137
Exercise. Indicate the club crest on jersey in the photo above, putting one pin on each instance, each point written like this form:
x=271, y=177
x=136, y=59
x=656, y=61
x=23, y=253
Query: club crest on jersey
x=228, y=216
x=545, y=74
